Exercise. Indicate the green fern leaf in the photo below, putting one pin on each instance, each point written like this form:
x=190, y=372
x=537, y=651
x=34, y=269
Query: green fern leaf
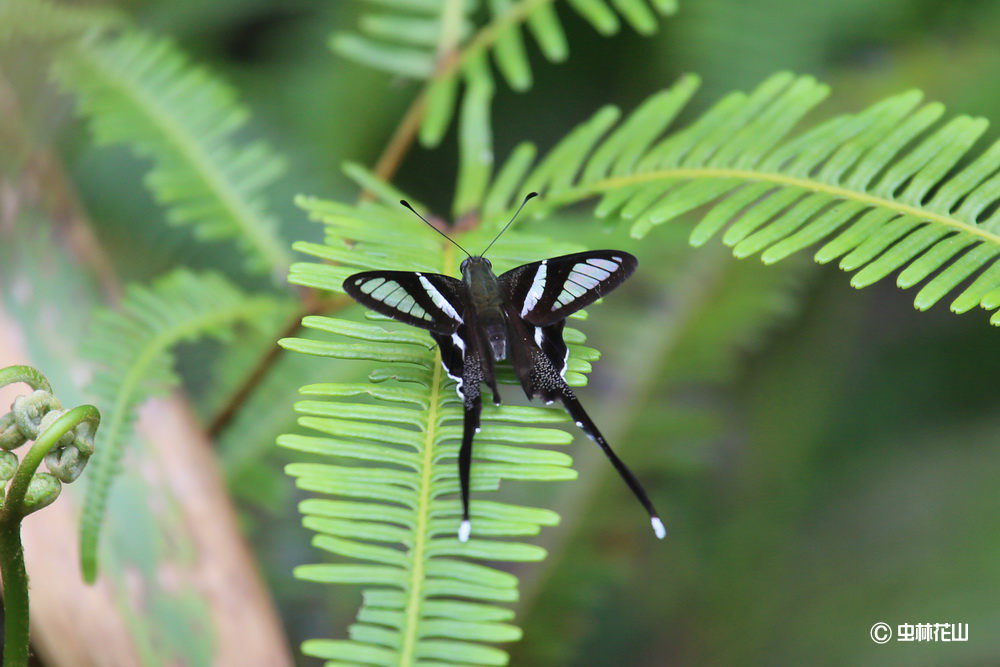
x=889, y=188
x=437, y=40
x=133, y=349
x=392, y=512
x=143, y=91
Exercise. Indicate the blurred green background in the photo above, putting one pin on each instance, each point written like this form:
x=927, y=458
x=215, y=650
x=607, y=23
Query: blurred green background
x=825, y=458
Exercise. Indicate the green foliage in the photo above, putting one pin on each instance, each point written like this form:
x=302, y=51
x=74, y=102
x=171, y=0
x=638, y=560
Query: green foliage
x=890, y=189
x=721, y=39
x=133, y=347
x=39, y=19
x=881, y=173
x=438, y=40
x=391, y=445
x=143, y=91
x=247, y=455
x=898, y=191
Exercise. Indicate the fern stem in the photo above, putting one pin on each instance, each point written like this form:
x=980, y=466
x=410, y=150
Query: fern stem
x=401, y=141
x=417, y=552
x=451, y=28
x=15, y=584
x=312, y=304
x=491, y=32
x=12, y=570
x=448, y=63
x=778, y=179
x=415, y=592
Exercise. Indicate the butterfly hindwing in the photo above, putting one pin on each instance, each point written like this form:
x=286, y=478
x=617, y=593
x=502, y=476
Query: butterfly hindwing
x=550, y=341
x=462, y=360
x=540, y=363
x=548, y=291
x=427, y=300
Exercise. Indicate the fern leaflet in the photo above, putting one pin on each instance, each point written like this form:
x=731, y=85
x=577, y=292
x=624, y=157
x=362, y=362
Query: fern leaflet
x=897, y=191
x=392, y=442
x=133, y=349
x=143, y=91
x=436, y=40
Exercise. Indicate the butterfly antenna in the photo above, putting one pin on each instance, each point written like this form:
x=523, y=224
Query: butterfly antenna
x=512, y=218
x=407, y=205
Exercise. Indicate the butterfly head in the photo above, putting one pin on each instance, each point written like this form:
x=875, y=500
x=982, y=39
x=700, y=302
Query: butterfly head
x=475, y=261
x=476, y=266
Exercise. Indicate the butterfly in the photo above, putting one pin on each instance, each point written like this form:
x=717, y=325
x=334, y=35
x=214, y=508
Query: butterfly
x=483, y=319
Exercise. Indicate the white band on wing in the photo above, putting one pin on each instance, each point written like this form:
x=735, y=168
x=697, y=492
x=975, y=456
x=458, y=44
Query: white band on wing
x=439, y=300
x=536, y=290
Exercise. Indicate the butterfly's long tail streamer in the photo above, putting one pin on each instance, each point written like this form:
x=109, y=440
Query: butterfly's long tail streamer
x=473, y=407
x=583, y=420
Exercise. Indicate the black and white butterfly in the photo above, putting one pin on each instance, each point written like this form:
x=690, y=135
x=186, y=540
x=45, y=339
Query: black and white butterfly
x=482, y=319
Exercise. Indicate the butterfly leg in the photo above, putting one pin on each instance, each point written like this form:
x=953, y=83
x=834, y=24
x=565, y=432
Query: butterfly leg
x=490, y=378
x=496, y=393
x=473, y=405
x=582, y=419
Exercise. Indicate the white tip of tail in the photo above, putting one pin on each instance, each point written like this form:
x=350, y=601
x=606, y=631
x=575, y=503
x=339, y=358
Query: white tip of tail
x=465, y=529
x=658, y=527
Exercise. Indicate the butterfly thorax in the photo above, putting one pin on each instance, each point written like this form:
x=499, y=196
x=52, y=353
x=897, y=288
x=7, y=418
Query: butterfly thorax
x=487, y=302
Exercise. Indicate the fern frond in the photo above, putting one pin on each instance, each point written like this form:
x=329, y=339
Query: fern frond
x=436, y=40
x=142, y=91
x=894, y=188
x=132, y=347
x=391, y=444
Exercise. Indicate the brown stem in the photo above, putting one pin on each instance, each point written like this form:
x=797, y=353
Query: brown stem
x=312, y=305
x=387, y=164
x=400, y=143
x=402, y=139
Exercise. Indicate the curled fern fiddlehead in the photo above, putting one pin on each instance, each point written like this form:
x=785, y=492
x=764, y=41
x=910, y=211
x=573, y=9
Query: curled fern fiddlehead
x=64, y=439
x=31, y=415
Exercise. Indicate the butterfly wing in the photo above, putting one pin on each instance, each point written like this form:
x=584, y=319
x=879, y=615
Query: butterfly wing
x=435, y=302
x=548, y=291
x=430, y=301
x=539, y=296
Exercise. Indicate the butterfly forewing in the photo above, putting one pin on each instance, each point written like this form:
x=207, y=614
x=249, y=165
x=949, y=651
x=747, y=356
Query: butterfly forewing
x=427, y=300
x=549, y=291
